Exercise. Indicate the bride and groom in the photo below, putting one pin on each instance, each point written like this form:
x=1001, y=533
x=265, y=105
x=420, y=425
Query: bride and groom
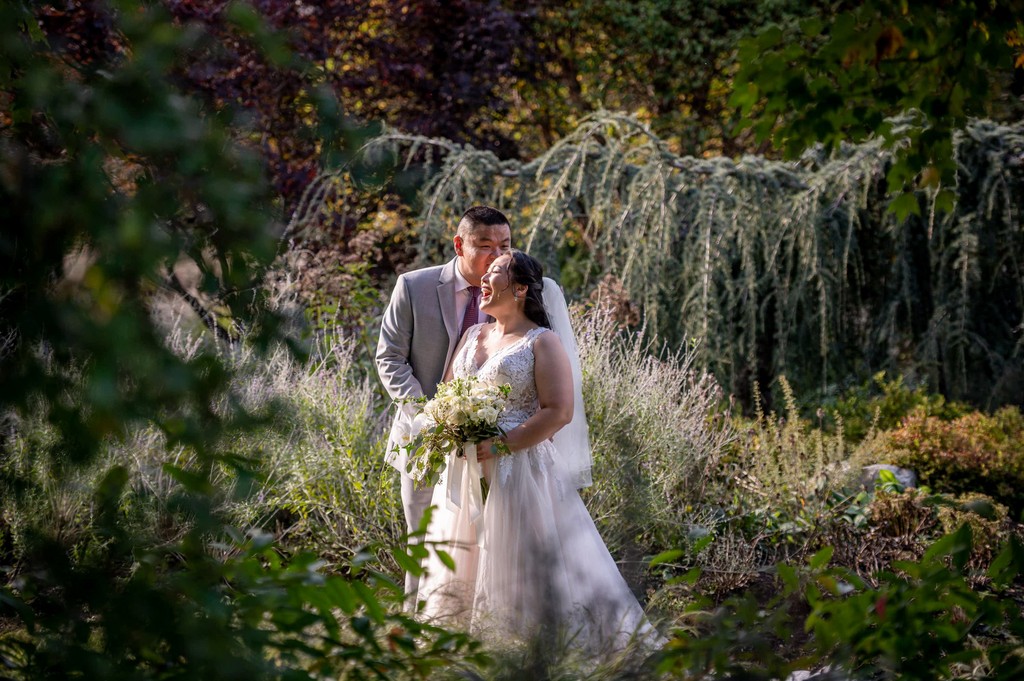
x=532, y=558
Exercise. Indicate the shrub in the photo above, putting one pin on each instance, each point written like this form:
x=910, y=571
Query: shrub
x=216, y=605
x=900, y=524
x=881, y=404
x=325, y=485
x=656, y=436
x=783, y=479
x=921, y=620
x=973, y=453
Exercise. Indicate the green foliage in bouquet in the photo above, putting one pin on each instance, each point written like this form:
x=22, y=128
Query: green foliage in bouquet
x=973, y=453
x=462, y=410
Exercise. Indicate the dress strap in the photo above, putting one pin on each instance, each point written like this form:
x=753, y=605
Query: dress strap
x=533, y=334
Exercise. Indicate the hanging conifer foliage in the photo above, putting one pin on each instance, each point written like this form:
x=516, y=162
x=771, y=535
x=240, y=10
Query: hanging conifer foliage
x=792, y=268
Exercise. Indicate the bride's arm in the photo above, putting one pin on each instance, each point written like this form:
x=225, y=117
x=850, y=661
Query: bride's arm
x=554, y=393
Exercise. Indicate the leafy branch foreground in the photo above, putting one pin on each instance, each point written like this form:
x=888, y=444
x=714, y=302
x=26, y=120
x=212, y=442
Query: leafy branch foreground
x=921, y=621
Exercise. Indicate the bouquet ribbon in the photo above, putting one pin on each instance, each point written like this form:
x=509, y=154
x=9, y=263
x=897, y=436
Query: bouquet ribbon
x=463, y=486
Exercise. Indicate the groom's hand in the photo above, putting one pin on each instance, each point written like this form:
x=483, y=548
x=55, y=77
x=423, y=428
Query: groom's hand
x=486, y=449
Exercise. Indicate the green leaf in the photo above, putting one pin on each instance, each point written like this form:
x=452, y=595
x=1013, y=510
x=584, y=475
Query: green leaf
x=340, y=594
x=445, y=558
x=363, y=627
x=369, y=599
x=769, y=37
x=945, y=200
x=9, y=600
x=244, y=16
x=744, y=96
x=702, y=543
x=956, y=545
x=811, y=27
x=790, y=580
x=32, y=28
x=418, y=551
x=821, y=558
x=193, y=482
x=407, y=562
x=666, y=557
x=690, y=577
x=904, y=205
x=1009, y=564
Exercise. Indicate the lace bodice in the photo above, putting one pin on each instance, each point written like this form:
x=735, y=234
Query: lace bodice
x=512, y=364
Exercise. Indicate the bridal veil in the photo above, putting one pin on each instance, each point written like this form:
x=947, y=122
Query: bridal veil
x=573, y=440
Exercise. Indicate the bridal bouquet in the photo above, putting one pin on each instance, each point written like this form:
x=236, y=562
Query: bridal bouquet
x=463, y=410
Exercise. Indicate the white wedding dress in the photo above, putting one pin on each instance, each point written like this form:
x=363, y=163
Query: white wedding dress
x=533, y=560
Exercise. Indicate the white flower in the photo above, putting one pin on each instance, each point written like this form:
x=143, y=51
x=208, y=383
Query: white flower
x=488, y=414
x=462, y=410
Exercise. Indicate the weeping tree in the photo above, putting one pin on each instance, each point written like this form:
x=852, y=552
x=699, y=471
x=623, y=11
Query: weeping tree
x=794, y=268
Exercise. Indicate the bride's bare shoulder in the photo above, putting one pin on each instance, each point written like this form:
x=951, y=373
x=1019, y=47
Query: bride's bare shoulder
x=547, y=341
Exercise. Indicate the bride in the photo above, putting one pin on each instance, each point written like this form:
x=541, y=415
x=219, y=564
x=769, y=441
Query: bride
x=530, y=559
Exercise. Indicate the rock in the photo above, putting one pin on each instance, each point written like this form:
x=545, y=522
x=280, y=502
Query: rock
x=904, y=476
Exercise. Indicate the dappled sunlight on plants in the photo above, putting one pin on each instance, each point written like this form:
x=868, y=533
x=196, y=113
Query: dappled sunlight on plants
x=313, y=590
x=656, y=433
x=973, y=453
x=777, y=267
x=784, y=481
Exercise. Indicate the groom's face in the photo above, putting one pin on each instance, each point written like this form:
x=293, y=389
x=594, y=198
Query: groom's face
x=478, y=248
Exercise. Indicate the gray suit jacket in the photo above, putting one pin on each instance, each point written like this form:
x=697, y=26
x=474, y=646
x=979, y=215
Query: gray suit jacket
x=418, y=335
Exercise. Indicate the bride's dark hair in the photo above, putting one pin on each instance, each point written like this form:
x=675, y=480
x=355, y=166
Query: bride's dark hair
x=524, y=270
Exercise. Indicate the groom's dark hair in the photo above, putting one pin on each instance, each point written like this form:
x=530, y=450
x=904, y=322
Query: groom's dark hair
x=480, y=216
x=524, y=270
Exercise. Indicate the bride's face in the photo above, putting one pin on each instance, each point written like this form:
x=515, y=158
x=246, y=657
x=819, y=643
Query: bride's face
x=496, y=287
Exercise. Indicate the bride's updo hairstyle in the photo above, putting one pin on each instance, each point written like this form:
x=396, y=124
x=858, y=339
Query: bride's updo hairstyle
x=524, y=270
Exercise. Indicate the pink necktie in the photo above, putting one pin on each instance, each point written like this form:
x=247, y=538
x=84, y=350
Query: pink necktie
x=472, y=309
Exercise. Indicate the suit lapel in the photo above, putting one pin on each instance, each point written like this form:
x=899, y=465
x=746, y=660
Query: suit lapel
x=446, y=299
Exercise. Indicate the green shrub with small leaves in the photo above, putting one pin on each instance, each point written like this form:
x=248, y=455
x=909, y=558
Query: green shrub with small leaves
x=881, y=404
x=922, y=620
x=974, y=453
x=919, y=620
x=218, y=605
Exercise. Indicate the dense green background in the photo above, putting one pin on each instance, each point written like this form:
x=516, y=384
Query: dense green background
x=194, y=253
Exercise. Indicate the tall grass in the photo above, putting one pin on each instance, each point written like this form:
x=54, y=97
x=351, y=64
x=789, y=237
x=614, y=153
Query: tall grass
x=321, y=482
x=657, y=436
x=326, y=484
x=310, y=470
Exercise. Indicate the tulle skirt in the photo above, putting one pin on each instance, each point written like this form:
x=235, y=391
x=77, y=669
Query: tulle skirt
x=532, y=563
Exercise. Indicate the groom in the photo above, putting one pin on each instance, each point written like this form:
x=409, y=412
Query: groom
x=430, y=309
